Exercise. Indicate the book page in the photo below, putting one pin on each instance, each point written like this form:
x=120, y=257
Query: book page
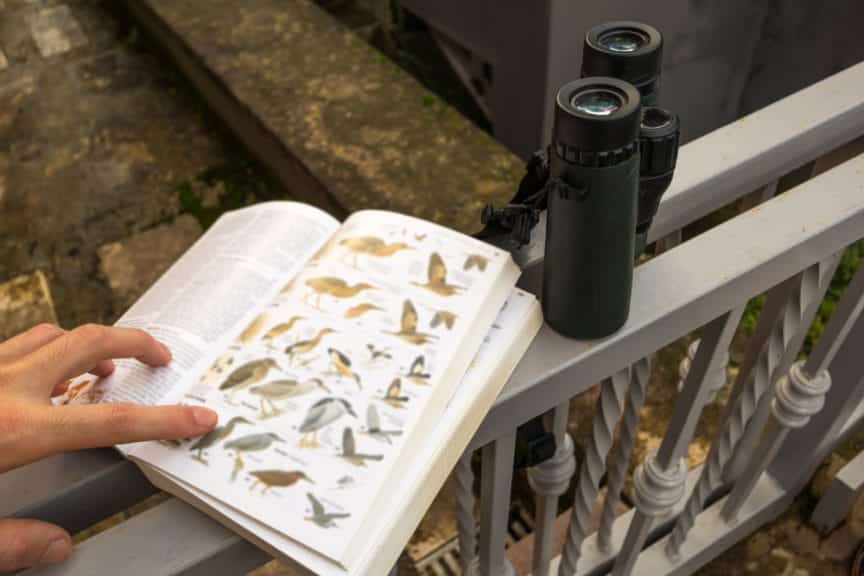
x=227, y=274
x=355, y=361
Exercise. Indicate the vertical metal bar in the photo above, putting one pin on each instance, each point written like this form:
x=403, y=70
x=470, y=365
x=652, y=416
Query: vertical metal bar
x=609, y=408
x=465, y=513
x=715, y=338
x=495, y=479
x=549, y=480
x=619, y=458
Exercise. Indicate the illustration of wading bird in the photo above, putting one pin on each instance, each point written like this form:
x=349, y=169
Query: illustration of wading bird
x=320, y=516
x=443, y=317
x=321, y=414
x=371, y=246
x=373, y=426
x=436, y=278
x=416, y=373
x=349, y=450
x=408, y=326
x=335, y=287
x=306, y=346
x=394, y=397
x=361, y=309
x=281, y=390
x=280, y=329
x=378, y=353
x=277, y=478
x=215, y=436
x=249, y=443
x=246, y=375
x=475, y=261
x=342, y=364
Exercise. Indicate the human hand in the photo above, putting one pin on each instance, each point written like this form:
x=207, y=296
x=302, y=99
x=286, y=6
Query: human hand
x=33, y=367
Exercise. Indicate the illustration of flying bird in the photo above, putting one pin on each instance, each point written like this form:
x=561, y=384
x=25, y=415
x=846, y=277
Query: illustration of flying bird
x=361, y=309
x=475, y=261
x=394, y=397
x=308, y=345
x=280, y=390
x=436, y=278
x=417, y=373
x=253, y=328
x=349, y=450
x=335, y=287
x=282, y=328
x=373, y=426
x=371, y=246
x=408, y=326
x=277, y=478
x=320, y=516
x=249, y=443
x=378, y=353
x=246, y=375
x=342, y=364
x=443, y=317
x=215, y=436
x=321, y=414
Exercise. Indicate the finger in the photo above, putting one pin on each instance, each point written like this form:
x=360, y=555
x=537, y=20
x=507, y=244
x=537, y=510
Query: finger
x=91, y=426
x=26, y=543
x=28, y=341
x=61, y=388
x=103, y=368
x=84, y=347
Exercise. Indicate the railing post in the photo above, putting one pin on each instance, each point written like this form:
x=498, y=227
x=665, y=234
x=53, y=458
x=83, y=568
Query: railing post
x=716, y=380
x=549, y=480
x=465, y=515
x=496, y=477
x=660, y=479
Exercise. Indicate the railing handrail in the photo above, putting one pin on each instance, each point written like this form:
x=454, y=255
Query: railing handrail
x=685, y=288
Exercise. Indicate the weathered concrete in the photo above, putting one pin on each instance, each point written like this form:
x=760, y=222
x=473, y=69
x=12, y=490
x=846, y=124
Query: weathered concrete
x=24, y=302
x=133, y=264
x=342, y=126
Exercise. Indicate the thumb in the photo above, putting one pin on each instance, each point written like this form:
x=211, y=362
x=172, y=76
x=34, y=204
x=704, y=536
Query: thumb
x=26, y=543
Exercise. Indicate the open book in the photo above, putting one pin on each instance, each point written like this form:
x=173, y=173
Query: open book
x=336, y=357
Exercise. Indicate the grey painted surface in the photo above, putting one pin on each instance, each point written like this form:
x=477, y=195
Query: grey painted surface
x=840, y=495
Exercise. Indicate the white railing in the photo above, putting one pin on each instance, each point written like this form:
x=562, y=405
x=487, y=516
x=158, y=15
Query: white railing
x=788, y=249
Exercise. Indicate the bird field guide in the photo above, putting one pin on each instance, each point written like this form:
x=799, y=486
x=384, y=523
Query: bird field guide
x=350, y=365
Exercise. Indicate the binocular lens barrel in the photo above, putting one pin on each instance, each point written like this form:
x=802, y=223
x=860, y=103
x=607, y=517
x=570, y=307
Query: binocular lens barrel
x=631, y=51
x=592, y=207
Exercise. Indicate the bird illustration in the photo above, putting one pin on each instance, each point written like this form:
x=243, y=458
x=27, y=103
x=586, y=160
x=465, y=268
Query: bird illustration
x=74, y=390
x=378, y=353
x=393, y=396
x=308, y=345
x=416, y=373
x=282, y=389
x=335, y=287
x=215, y=436
x=371, y=246
x=420, y=237
x=322, y=413
x=249, y=443
x=436, y=278
x=320, y=516
x=443, y=317
x=342, y=364
x=349, y=450
x=345, y=481
x=373, y=426
x=253, y=328
x=361, y=309
x=277, y=478
x=475, y=261
x=246, y=375
x=408, y=325
x=282, y=328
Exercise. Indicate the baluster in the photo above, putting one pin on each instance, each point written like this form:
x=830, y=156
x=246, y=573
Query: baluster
x=465, y=515
x=495, y=480
x=799, y=395
x=549, y=480
x=716, y=380
x=608, y=412
x=758, y=197
x=668, y=242
x=779, y=360
x=660, y=478
x=619, y=458
x=790, y=329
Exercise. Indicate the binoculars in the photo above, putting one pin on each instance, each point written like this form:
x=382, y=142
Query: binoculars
x=611, y=158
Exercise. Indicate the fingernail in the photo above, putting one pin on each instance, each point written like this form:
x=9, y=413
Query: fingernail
x=56, y=551
x=204, y=417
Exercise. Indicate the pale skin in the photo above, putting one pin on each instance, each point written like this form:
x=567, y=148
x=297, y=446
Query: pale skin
x=34, y=367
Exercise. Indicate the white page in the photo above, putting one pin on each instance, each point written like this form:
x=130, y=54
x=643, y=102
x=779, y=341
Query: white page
x=203, y=298
x=346, y=484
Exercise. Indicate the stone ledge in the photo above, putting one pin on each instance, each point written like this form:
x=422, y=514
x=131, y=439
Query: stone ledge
x=24, y=302
x=339, y=124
